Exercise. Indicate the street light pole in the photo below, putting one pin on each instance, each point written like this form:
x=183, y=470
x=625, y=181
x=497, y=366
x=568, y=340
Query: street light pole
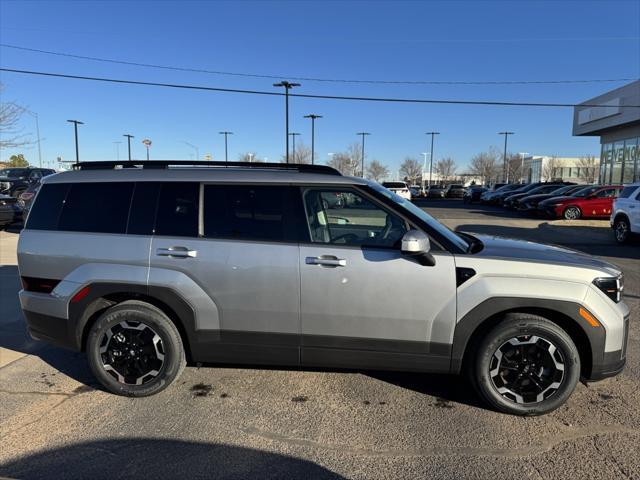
x=505, y=171
x=287, y=86
x=35, y=115
x=129, y=137
x=313, y=117
x=195, y=147
x=117, y=150
x=433, y=134
x=226, y=151
x=75, y=129
x=363, y=134
x=293, y=136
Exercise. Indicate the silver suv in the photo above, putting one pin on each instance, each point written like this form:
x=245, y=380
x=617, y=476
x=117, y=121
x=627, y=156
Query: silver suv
x=149, y=266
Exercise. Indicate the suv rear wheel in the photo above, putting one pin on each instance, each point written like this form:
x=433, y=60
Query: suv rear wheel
x=621, y=229
x=526, y=365
x=135, y=350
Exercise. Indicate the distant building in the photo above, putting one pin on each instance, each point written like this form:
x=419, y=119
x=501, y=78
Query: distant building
x=543, y=168
x=617, y=123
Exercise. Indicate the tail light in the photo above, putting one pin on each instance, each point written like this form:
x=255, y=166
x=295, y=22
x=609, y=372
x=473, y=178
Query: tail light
x=38, y=285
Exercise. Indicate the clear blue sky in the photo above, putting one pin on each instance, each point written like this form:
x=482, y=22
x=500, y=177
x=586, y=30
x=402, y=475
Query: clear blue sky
x=459, y=41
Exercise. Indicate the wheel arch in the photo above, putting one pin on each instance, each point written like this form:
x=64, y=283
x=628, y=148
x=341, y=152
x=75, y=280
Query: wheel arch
x=102, y=296
x=478, y=322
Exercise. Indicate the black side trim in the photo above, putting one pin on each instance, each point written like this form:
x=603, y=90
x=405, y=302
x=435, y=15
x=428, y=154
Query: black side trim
x=49, y=329
x=491, y=307
x=463, y=274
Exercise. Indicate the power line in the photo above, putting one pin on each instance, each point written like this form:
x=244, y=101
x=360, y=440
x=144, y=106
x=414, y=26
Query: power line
x=302, y=95
x=312, y=79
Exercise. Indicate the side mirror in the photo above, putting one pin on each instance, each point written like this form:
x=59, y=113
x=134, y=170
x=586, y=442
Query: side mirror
x=416, y=244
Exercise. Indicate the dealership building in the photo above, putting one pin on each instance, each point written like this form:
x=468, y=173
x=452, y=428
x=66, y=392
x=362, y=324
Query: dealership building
x=616, y=120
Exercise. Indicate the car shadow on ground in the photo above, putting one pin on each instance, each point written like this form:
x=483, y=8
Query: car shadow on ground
x=570, y=236
x=158, y=458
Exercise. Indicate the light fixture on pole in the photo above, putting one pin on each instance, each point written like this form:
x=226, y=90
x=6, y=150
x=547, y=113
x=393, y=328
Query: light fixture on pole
x=147, y=143
x=117, y=144
x=75, y=129
x=313, y=117
x=226, y=149
x=505, y=171
x=433, y=134
x=293, y=136
x=129, y=137
x=363, y=134
x=287, y=86
x=195, y=147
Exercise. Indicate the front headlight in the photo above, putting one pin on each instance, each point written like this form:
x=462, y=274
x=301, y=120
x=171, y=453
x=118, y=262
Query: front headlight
x=612, y=287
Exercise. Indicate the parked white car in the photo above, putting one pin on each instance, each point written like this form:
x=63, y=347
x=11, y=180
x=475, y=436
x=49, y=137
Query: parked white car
x=399, y=188
x=625, y=214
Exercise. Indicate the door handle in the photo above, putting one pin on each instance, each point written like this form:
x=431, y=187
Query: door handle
x=327, y=261
x=178, y=252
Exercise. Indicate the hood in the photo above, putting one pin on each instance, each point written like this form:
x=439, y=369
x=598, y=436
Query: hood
x=558, y=199
x=523, y=250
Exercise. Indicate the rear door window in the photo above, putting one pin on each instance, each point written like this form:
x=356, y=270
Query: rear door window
x=178, y=209
x=97, y=207
x=252, y=212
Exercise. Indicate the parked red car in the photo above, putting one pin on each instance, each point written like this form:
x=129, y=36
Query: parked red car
x=596, y=204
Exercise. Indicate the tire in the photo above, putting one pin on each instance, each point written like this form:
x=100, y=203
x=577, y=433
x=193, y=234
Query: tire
x=156, y=336
x=530, y=393
x=622, y=229
x=571, y=213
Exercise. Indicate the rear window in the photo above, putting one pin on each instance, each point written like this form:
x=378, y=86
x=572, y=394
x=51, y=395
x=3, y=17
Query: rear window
x=97, y=207
x=628, y=191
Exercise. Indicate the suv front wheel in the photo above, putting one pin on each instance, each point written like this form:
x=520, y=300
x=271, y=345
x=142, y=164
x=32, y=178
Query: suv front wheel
x=135, y=350
x=526, y=365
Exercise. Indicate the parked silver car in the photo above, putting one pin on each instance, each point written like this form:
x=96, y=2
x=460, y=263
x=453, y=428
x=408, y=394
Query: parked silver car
x=149, y=266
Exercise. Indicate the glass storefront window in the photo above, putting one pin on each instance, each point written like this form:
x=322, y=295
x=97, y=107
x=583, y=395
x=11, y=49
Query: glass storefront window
x=631, y=171
x=616, y=167
x=605, y=162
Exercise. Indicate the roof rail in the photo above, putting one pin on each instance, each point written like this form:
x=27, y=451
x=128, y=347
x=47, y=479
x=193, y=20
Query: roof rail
x=158, y=164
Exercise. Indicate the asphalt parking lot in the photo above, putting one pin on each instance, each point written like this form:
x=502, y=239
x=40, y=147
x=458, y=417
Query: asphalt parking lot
x=272, y=423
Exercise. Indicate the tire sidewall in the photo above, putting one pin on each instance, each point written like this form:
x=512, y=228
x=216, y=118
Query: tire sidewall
x=615, y=226
x=579, y=213
x=173, y=350
x=544, y=329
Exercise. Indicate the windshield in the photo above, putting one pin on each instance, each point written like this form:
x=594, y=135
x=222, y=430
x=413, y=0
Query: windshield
x=394, y=185
x=585, y=191
x=560, y=191
x=424, y=216
x=12, y=172
x=509, y=186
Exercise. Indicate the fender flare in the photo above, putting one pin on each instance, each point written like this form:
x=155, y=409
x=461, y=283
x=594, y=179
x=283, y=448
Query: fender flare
x=490, y=308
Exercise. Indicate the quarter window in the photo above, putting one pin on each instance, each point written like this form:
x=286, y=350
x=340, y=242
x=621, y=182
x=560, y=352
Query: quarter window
x=344, y=217
x=96, y=207
x=46, y=210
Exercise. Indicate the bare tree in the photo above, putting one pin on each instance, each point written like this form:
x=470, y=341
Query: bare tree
x=588, y=168
x=249, y=157
x=549, y=169
x=344, y=164
x=10, y=133
x=302, y=155
x=514, y=167
x=485, y=165
x=411, y=169
x=376, y=171
x=446, y=168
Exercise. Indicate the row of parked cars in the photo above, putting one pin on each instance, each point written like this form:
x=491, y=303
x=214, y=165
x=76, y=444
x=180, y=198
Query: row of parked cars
x=619, y=203
x=413, y=192
x=18, y=186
